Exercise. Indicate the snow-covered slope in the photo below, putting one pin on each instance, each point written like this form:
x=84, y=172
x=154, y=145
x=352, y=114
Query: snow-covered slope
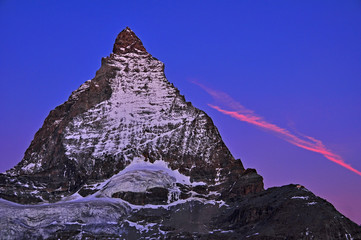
x=145, y=115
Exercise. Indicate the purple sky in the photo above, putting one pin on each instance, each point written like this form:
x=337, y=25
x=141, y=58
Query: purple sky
x=294, y=63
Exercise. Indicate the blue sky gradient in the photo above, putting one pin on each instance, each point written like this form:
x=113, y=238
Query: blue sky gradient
x=295, y=63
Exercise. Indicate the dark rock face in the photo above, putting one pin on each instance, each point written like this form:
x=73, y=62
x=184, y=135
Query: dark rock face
x=156, y=196
x=126, y=157
x=288, y=212
x=128, y=42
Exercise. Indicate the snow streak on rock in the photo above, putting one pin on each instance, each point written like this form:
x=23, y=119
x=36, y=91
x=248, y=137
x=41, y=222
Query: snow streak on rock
x=139, y=116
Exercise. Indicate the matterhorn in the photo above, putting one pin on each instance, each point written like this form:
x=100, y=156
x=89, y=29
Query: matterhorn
x=127, y=157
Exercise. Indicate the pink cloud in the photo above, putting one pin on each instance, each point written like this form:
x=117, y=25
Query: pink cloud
x=243, y=114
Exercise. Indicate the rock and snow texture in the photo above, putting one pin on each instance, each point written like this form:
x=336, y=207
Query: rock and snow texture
x=140, y=178
x=129, y=110
x=126, y=157
x=145, y=115
x=271, y=214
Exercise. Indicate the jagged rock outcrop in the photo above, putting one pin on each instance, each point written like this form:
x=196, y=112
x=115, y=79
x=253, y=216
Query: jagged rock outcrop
x=128, y=42
x=136, y=160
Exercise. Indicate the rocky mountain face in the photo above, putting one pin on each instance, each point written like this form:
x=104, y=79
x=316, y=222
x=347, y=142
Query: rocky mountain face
x=127, y=157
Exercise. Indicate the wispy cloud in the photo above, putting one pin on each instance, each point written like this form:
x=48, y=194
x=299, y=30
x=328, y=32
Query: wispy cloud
x=241, y=113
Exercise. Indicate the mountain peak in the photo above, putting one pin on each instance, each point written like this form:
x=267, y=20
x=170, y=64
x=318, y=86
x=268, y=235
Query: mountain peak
x=126, y=150
x=128, y=42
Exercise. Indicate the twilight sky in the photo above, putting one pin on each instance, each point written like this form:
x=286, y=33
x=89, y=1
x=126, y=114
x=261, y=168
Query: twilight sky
x=294, y=65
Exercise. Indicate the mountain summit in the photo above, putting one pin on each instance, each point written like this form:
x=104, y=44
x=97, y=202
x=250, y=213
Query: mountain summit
x=127, y=157
x=128, y=42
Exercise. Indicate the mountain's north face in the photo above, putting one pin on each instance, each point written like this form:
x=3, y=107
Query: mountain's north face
x=127, y=157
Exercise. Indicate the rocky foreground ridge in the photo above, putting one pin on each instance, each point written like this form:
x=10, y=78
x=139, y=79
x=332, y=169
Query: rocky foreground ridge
x=127, y=157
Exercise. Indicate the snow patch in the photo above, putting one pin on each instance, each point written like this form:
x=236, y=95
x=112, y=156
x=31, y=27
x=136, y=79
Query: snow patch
x=300, y=197
x=30, y=167
x=141, y=227
x=140, y=176
x=254, y=234
x=348, y=236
